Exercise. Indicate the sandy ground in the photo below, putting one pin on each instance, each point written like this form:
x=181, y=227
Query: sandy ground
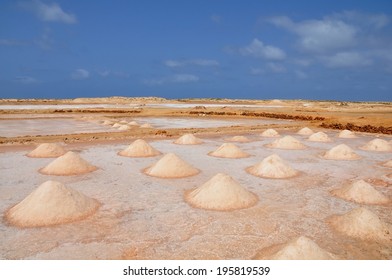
x=143, y=217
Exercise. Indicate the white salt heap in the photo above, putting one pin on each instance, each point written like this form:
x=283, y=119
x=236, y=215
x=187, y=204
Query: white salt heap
x=123, y=127
x=238, y=139
x=229, y=150
x=272, y=167
x=361, y=192
x=270, y=133
x=341, y=152
x=188, y=139
x=378, y=145
x=171, y=166
x=288, y=142
x=107, y=122
x=388, y=163
x=363, y=224
x=116, y=125
x=123, y=122
x=51, y=203
x=305, y=131
x=133, y=123
x=139, y=148
x=146, y=125
x=346, y=134
x=68, y=164
x=221, y=192
x=301, y=248
x=319, y=137
x=47, y=150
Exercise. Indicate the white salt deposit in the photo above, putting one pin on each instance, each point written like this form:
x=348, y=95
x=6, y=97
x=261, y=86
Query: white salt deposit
x=270, y=133
x=305, y=131
x=47, y=150
x=171, y=166
x=288, y=142
x=188, y=139
x=378, y=145
x=229, y=150
x=221, y=192
x=361, y=192
x=139, y=148
x=272, y=167
x=341, y=152
x=346, y=134
x=51, y=203
x=319, y=137
x=238, y=139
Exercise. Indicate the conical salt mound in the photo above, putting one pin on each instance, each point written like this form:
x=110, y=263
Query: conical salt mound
x=346, y=134
x=305, y=131
x=146, y=125
x=123, y=122
x=228, y=150
x=270, y=133
x=363, y=224
x=221, y=192
x=139, y=148
x=272, y=167
x=188, y=139
x=123, y=127
x=319, y=137
x=287, y=142
x=171, y=166
x=51, y=203
x=341, y=152
x=378, y=145
x=301, y=248
x=133, y=123
x=68, y=164
x=361, y=192
x=47, y=150
x=116, y=125
x=107, y=122
x=388, y=163
x=238, y=139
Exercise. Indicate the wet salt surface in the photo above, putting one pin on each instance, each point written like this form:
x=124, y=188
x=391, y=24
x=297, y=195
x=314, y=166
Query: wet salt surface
x=24, y=127
x=144, y=217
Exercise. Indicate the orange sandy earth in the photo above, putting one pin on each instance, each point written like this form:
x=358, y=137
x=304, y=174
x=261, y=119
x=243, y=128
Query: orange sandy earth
x=144, y=217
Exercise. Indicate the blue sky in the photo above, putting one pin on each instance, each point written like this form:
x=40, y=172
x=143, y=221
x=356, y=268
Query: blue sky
x=334, y=49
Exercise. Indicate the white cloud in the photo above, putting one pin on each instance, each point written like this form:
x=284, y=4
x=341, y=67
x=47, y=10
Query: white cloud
x=303, y=62
x=45, y=42
x=258, y=49
x=11, y=42
x=346, y=59
x=300, y=74
x=376, y=21
x=104, y=73
x=197, y=62
x=319, y=35
x=276, y=67
x=178, y=78
x=80, y=74
x=26, y=80
x=216, y=18
x=49, y=12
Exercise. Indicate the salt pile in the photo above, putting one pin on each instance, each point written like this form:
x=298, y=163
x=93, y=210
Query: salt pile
x=361, y=223
x=123, y=127
x=305, y=131
x=238, y=139
x=270, y=133
x=301, y=248
x=361, y=192
x=378, y=145
x=228, y=150
x=123, y=122
x=68, y=164
x=133, y=123
x=341, y=152
x=107, y=122
x=346, y=134
x=287, y=142
x=116, y=125
x=221, y=192
x=47, y=150
x=188, y=139
x=51, y=203
x=272, y=167
x=139, y=148
x=171, y=166
x=388, y=163
x=146, y=125
x=319, y=137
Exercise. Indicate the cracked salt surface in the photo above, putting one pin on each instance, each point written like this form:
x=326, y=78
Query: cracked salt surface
x=143, y=217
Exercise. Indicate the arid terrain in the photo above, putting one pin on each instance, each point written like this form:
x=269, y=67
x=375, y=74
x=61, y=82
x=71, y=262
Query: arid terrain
x=141, y=216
